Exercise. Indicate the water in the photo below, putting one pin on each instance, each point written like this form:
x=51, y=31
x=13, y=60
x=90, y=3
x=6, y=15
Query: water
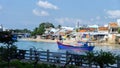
x=22, y=44
x=26, y=45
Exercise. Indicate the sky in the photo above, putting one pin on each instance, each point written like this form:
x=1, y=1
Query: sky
x=20, y=14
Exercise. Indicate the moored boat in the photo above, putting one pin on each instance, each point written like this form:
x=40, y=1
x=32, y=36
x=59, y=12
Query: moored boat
x=67, y=46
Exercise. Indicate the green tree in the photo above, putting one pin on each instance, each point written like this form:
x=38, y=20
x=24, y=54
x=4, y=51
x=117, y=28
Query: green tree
x=26, y=31
x=8, y=39
x=34, y=32
x=101, y=58
x=41, y=28
x=48, y=25
x=90, y=56
x=59, y=26
x=119, y=30
x=105, y=58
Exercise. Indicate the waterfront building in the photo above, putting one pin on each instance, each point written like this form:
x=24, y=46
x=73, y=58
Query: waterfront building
x=113, y=27
x=113, y=31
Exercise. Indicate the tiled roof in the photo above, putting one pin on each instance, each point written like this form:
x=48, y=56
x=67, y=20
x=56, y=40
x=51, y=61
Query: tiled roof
x=83, y=30
x=92, y=29
x=102, y=28
x=113, y=24
x=87, y=29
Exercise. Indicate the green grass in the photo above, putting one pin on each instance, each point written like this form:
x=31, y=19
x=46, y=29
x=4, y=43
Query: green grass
x=19, y=64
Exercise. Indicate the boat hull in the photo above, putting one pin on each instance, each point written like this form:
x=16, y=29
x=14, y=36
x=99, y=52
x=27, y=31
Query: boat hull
x=64, y=46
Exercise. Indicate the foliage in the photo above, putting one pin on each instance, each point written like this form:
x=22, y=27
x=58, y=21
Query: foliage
x=105, y=58
x=4, y=52
x=19, y=64
x=3, y=64
x=59, y=26
x=34, y=32
x=77, y=30
x=119, y=30
x=90, y=56
x=41, y=28
x=7, y=38
x=47, y=25
x=101, y=58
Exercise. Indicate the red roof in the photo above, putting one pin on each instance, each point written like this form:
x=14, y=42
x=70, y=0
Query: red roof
x=113, y=24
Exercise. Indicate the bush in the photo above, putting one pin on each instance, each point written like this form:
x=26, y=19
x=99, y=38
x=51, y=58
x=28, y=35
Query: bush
x=4, y=52
x=105, y=58
x=101, y=58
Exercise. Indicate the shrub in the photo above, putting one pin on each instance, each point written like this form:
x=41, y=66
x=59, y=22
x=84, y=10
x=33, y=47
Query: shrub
x=105, y=58
x=101, y=58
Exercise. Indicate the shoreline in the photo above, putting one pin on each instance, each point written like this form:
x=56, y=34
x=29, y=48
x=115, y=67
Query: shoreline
x=65, y=41
x=47, y=40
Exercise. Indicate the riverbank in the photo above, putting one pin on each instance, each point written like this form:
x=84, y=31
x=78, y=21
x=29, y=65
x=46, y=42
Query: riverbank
x=66, y=41
x=47, y=40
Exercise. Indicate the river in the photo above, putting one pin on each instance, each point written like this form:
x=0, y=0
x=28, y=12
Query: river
x=26, y=45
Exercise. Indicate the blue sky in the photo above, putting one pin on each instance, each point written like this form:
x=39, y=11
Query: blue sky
x=20, y=14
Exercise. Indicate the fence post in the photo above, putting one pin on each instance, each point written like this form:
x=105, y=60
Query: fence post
x=67, y=57
x=31, y=50
x=36, y=58
x=48, y=55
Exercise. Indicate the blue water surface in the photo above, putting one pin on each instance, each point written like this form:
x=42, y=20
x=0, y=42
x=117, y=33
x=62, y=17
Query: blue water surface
x=26, y=45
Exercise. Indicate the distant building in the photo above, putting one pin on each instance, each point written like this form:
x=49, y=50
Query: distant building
x=93, y=27
x=113, y=27
x=103, y=29
x=113, y=31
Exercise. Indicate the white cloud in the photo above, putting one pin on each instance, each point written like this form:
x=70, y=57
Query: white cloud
x=46, y=5
x=113, y=13
x=67, y=20
x=73, y=21
x=40, y=13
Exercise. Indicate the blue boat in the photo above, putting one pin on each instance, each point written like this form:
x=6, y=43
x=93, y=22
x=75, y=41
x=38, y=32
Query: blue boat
x=83, y=47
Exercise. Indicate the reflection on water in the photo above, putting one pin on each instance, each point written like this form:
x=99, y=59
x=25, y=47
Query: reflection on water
x=54, y=48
